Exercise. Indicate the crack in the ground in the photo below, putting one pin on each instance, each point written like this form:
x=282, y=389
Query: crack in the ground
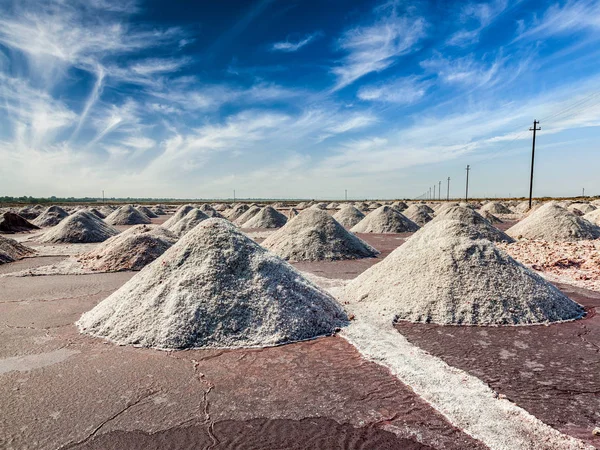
x=209, y=387
x=57, y=299
x=18, y=327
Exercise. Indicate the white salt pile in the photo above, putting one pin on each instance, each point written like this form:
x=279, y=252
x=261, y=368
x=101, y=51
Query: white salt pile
x=127, y=215
x=131, y=250
x=593, y=217
x=349, y=216
x=268, y=217
x=385, y=219
x=314, y=235
x=418, y=214
x=428, y=209
x=80, y=227
x=159, y=211
x=29, y=212
x=11, y=250
x=400, y=206
x=246, y=216
x=179, y=214
x=293, y=212
x=146, y=211
x=552, y=222
x=581, y=208
x=467, y=216
x=333, y=205
x=235, y=211
x=189, y=221
x=106, y=210
x=495, y=208
x=215, y=288
x=210, y=211
x=460, y=281
x=491, y=218
x=51, y=217
x=97, y=213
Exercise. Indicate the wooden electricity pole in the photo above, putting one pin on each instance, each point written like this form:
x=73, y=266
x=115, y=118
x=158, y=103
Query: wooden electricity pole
x=448, y=191
x=467, y=189
x=439, y=190
x=534, y=129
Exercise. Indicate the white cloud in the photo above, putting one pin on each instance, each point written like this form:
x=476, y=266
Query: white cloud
x=481, y=15
x=287, y=46
x=405, y=91
x=464, y=70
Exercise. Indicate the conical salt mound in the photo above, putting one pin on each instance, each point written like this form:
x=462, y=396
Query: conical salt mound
x=583, y=208
x=127, y=215
x=11, y=250
x=236, y=211
x=417, y=214
x=400, y=206
x=158, y=211
x=249, y=214
x=146, y=211
x=268, y=217
x=210, y=211
x=593, y=217
x=349, y=216
x=191, y=219
x=14, y=223
x=292, y=213
x=51, y=217
x=131, y=250
x=470, y=217
x=29, y=212
x=179, y=214
x=458, y=281
x=428, y=209
x=97, y=213
x=385, y=219
x=80, y=227
x=554, y=223
x=215, y=288
x=495, y=208
x=490, y=217
x=314, y=235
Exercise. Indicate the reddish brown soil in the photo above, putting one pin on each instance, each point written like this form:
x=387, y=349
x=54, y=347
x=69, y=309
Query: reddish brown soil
x=61, y=389
x=551, y=371
x=30, y=263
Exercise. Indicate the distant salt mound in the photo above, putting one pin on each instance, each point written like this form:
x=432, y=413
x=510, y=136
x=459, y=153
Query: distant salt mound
x=50, y=217
x=385, y=219
x=322, y=206
x=106, y=210
x=29, y=212
x=79, y=227
x=452, y=280
x=445, y=206
x=293, y=212
x=314, y=235
x=97, y=213
x=495, y=208
x=418, y=214
x=127, y=215
x=179, y=214
x=214, y=288
x=333, y=205
x=491, y=218
x=13, y=223
x=11, y=250
x=159, y=211
x=246, y=216
x=593, y=217
x=400, y=206
x=236, y=211
x=349, y=216
x=551, y=222
x=131, y=250
x=268, y=217
x=146, y=211
x=581, y=208
x=189, y=221
x=472, y=217
x=210, y=211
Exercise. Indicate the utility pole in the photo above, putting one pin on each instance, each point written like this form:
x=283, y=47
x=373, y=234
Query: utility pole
x=583, y=193
x=102, y=195
x=234, y=196
x=429, y=196
x=439, y=190
x=346, y=194
x=467, y=189
x=534, y=129
x=434, y=191
x=448, y=192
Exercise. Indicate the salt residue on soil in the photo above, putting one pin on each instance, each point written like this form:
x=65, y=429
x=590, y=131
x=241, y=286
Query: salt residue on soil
x=454, y=280
x=80, y=227
x=467, y=216
x=552, y=222
x=11, y=250
x=314, y=235
x=348, y=216
x=576, y=263
x=132, y=249
x=189, y=221
x=127, y=215
x=385, y=219
x=179, y=214
x=268, y=217
x=215, y=288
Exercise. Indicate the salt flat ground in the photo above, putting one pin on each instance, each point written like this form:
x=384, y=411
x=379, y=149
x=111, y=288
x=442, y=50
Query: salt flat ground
x=61, y=389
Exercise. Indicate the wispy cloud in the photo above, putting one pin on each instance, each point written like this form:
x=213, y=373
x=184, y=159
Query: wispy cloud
x=405, y=90
x=289, y=46
x=373, y=48
x=477, y=17
x=466, y=70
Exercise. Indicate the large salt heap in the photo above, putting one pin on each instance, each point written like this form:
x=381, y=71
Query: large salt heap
x=385, y=219
x=456, y=280
x=179, y=214
x=146, y=211
x=268, y=217
x=349, y=216
x=79, y=227
x=50, y=217
x=215, y=288
x=127, y=215
x=247, y=215
x=495, y=208
x=418, y=214
x=11, y=250
x=552, y=222
x=593, y=217
x=314, y=235
x=236, y=211
x=13, y=223
x=189, y=221
x=210, y=211
x=467, y=216
x=132, y=249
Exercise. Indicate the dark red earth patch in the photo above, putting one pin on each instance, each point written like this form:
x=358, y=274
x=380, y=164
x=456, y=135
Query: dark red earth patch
x=551, y=371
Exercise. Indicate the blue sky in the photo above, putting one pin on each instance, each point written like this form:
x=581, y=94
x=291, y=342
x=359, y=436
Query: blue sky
x=300, y=99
